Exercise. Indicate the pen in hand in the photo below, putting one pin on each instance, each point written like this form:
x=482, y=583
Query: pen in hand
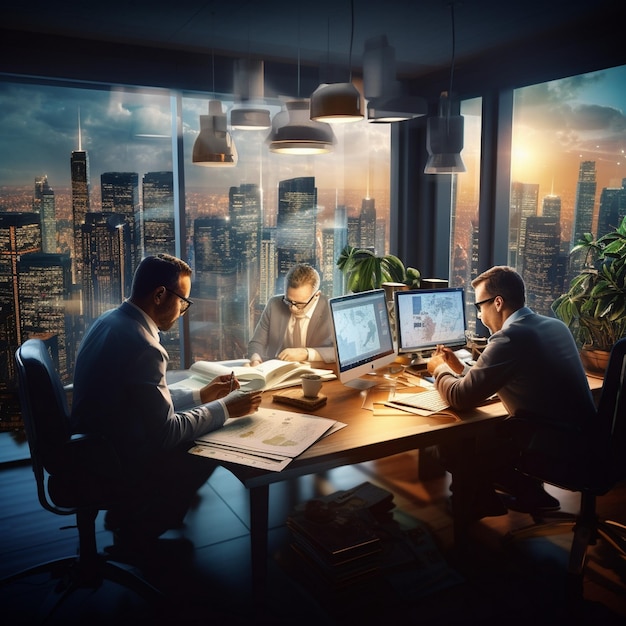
x=232, y=381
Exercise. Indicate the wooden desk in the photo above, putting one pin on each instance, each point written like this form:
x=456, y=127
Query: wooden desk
x=365, y=438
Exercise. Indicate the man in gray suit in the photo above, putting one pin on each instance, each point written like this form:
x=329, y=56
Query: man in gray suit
x=531, y=361
x=295, y=326
x=120, y=391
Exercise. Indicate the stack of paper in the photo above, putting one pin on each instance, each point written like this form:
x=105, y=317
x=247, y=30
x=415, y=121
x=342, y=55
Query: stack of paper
x=269, y=439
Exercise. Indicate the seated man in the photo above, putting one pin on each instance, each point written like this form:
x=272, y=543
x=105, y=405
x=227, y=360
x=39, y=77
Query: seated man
x=120, y=391
x=295, y=326
x=531, y=361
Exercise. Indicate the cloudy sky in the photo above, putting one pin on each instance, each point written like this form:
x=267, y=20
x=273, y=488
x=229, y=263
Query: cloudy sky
x=561, y=123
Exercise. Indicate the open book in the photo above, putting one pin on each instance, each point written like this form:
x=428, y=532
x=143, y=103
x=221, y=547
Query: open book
x=273, y=374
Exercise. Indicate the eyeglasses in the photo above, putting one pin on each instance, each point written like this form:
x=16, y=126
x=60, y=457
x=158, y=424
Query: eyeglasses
x=298, y=305
x=186, y=301
x=479, y=304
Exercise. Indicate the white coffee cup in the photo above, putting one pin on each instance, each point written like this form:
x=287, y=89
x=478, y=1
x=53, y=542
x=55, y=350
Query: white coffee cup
x=311, y=385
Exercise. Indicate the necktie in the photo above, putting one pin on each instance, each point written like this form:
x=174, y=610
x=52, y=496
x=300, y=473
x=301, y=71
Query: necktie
x=298, y=335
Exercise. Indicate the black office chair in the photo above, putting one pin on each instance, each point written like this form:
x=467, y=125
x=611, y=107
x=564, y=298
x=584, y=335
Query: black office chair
x=76, y=475
x=591, y=463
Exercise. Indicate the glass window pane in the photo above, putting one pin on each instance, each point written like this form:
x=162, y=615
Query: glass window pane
x=85, y=191
x=568, y=174
x=246, y=225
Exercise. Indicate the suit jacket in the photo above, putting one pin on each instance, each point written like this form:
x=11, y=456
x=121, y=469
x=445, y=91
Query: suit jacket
x=269, y=334
x=534, y=366
x=121, y=392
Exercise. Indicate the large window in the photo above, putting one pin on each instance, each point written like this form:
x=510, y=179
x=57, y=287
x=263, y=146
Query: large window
x=89, y=185
x=568, y=174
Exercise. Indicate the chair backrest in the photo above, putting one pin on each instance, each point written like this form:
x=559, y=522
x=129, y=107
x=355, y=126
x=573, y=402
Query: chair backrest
x=611, y=426
x=45, y=412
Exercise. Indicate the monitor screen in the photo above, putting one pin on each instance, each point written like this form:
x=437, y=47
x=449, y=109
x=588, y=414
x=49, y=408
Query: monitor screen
x=362, y=334
x=428, y=317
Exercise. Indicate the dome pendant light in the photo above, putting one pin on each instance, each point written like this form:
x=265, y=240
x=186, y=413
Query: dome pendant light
x=299, y=135
x=214, y=146
x=337, y=103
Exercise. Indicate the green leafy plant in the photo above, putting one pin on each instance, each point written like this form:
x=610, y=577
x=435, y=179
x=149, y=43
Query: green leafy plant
x=594, y=307
x=364, y=270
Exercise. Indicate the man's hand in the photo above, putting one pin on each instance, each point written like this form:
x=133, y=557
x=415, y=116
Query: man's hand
x=294, y=354
x=240, y=403
x=447, y=356
x=218, y=388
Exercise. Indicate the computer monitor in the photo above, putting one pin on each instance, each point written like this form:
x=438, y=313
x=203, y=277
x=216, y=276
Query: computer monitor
x=426, y=318
x=362, y=334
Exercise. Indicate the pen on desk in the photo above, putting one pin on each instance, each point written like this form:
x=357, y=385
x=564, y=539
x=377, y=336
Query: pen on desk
x=232, y=381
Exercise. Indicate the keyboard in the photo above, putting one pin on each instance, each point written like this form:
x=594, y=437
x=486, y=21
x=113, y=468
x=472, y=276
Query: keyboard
x=429, y=400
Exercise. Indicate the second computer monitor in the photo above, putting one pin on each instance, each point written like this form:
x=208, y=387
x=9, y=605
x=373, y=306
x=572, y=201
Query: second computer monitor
x=426, y=318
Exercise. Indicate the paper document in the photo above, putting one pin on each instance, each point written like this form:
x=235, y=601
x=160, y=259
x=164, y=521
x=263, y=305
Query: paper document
x=269, y=438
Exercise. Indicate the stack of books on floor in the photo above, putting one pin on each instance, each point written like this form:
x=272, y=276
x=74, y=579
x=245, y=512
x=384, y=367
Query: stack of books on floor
x=336, y=535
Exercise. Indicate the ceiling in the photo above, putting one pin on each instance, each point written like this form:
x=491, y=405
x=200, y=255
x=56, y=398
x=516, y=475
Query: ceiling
x=317, y=33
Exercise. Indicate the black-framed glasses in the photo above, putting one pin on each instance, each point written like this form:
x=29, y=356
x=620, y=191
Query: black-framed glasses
x=298, y=305
x=479, y=304
x=186, y=301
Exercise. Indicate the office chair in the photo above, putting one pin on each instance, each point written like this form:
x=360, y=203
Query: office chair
x=590, y=462
x=76, y=475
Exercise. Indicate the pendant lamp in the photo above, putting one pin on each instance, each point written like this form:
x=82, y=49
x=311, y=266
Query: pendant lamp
x=293, y=132
x=249, y=92
x=444, y=133
x=444, y=141
x=214, y=146
x=336, y=103
x=386, y=100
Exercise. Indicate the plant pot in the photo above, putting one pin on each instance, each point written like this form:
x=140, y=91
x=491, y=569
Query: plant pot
x=595, y=362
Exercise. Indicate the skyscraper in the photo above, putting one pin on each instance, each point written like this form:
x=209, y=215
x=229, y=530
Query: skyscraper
x=524, y=203
x=79, y=165
x=20, y=234
x=158, y=213
x=106, y=250
x=45, y=285
x=120, y=195
x=612, y=208
x=296, y=223
x=44, y=204
x=245, y=211
x=367, y=225
x=541, y=260
x=585, y=200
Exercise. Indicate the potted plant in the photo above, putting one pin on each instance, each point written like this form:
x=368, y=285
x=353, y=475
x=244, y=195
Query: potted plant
x=364, y=270
x=594, y=307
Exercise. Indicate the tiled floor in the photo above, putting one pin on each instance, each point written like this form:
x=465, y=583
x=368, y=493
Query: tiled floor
x=520, y=584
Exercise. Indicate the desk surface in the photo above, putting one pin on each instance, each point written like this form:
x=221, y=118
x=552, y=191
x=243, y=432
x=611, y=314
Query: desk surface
x=366, y=436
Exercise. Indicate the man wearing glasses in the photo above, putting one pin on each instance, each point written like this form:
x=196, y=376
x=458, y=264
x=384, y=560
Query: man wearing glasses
x=120, y=391
x=295, y=326
x=532, y=362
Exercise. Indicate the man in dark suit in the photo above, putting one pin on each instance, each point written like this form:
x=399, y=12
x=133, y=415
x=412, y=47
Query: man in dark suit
x=120, y=391
x=295, y=326
x=532, y=362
